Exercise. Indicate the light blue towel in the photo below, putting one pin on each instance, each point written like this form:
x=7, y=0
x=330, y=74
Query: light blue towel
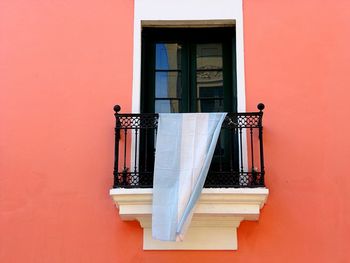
x=184, y=150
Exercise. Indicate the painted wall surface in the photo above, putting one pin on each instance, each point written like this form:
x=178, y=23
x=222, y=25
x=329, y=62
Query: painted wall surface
x=64, y=64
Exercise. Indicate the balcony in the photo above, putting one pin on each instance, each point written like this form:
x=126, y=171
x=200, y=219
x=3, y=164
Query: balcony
x=234, y=189
x=238, y=160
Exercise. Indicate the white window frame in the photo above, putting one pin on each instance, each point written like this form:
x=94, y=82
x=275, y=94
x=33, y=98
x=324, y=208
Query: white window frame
x=188, y=13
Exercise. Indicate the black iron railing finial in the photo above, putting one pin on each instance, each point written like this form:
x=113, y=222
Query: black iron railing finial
x=117, y=108
x=261, y=106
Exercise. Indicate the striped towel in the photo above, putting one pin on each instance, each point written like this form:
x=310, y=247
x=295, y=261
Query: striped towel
x=184, y=149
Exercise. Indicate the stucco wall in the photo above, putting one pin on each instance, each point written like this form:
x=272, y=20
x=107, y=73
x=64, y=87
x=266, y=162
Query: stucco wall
x=64, y=64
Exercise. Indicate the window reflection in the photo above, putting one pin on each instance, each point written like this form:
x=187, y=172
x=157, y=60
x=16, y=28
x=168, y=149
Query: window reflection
x=209, y=56
x=168, y=84
x=168, y=56
x=167, y=106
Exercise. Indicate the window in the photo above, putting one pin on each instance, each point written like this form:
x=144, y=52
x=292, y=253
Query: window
x=191, y=70
x=188, y=70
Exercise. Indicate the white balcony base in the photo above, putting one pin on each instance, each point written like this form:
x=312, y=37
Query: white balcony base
x=216, y=218
x=205, y=233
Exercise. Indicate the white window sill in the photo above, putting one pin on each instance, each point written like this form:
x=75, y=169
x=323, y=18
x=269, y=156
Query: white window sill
x=217, y=216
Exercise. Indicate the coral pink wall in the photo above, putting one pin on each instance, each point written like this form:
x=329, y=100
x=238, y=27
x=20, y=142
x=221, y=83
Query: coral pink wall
x=64, y=64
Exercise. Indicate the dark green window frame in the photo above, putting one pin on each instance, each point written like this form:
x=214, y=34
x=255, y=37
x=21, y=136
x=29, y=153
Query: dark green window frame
x=188, y=102
x=188, y=39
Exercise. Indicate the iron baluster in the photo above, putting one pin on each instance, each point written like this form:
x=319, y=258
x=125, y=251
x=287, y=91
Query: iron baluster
x=136, y=146
x=241, y=148
x=125, y=169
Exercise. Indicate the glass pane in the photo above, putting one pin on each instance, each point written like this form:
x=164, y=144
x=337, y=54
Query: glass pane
x=210, y=92
x=211, y=105
x=209, y=56
x=210, y=84
x=168, y=56
x=166, y=106
x=168, y=84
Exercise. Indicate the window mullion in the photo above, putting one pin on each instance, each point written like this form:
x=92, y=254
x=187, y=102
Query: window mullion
x=192, y=78
x=186, y=77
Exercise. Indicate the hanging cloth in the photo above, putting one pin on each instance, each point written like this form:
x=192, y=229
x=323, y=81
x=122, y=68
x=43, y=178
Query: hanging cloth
x=184, y=149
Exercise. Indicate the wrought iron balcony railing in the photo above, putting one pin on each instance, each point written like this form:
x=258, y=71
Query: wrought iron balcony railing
x=238, y=159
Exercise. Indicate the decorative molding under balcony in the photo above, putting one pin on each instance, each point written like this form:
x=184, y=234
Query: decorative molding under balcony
x=217, y=216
